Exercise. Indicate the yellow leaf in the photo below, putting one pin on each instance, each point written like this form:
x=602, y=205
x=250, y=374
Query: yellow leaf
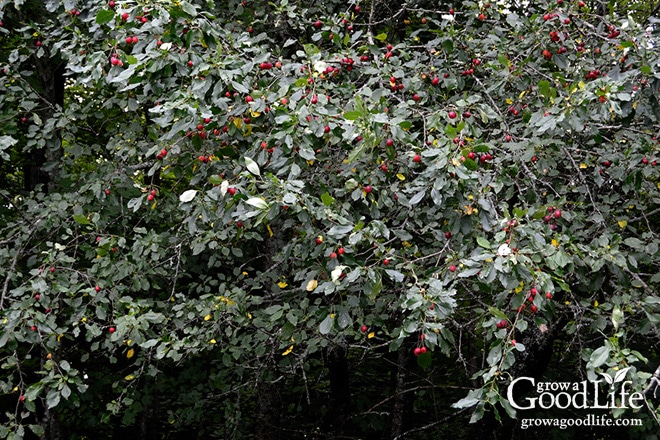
x=238, y=122
x=371, y=335
x=509, y=101
x=400, y=176
x=595, y=303
x=207, y=317
x=555, y=243
x=129, y=377
x=583, y=166
x=406, y=244
x=311, y=285
x=270, y=231
x=255, y=114
x=622, y=223
x=249, y=315
x=59, y=337
x=310, y=162
x=245, y=273
x=288, y=351
x=130, y=353
x=212, y=341
x=282, y=284
x=521, y=94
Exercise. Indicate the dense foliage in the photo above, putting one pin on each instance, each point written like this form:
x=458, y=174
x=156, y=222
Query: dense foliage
x=276, y=219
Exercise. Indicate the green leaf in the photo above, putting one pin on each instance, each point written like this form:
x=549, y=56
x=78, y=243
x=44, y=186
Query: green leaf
x=381, y=37
x=257, y=202
x=481, y=241
x=81, y=219
x=352, y=115
x=189, y=8
x=104, y=16
x=424, y=360
x=357, y=152
x=252, y=166
x=327, y=199
x=497, y=313
x=340, y=231
x=326, y=325
x=473, y=397
x=598, y=357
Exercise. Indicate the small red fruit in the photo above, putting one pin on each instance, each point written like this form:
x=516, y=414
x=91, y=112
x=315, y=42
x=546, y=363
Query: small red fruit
x=548, y=295
x=417, y=351
x=333, y=255
x=435, y=81
x=448, y=235
x=231, y=190
x=422, y=350
x=557, y=213
x=364, y=329
x=340, y=251
x=318, y=23
x=97, y=288
x=452, y=114
x=417, y=158
x=533, y=308
x=112, y=330
x=386, y=262
x=37, y=297
x=452, y=268
x=368, y=189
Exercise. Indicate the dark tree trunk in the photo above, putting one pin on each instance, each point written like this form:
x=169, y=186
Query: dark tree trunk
x=403, y=400
x=340, y=394
x=268, y=412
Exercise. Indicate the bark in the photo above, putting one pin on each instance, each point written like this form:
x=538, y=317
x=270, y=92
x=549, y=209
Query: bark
x=268, y=412
x=403, y=401
x=340, y=395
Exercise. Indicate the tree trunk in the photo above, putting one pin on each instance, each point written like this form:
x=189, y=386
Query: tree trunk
x=403, y=401
x=268, y=412
x=340, y=394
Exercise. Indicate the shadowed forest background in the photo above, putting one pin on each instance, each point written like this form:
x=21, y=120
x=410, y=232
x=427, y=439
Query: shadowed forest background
x=327, y=219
